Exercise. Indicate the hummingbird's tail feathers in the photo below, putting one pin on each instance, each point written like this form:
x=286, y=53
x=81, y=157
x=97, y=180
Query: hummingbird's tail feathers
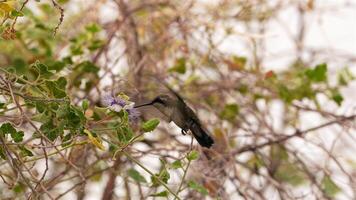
x=201, y=135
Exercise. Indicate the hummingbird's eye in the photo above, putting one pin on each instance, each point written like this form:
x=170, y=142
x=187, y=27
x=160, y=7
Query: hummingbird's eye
x=158, y=100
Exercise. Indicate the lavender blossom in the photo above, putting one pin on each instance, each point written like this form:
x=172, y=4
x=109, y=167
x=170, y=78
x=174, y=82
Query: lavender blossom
x=117, y=104
x=134, y=114
x=114, y=103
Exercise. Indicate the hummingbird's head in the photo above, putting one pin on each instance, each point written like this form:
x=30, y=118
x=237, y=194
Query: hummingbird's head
x=159, y=102
x=162, y=100
x=164, y=103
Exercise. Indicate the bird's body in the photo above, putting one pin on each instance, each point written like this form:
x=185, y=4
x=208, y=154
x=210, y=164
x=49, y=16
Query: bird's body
x=175, y=109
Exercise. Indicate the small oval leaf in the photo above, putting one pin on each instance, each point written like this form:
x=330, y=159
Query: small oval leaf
x=150, y=125
x=134, y=174
x=193, y=155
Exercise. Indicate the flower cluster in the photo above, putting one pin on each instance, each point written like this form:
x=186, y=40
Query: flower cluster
x=119, y=103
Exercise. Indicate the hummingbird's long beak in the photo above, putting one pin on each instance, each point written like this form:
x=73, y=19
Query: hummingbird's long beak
x=146, y=104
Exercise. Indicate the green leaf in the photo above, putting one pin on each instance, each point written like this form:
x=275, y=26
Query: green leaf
x=85, y=104
x=50, y=130
x=76, y=50
x=238, y=63
x=16, y=13
x=150, y=125
x=25, y=152
x=20, y=66
x=318, y=74
x=7, y=128
x=19, y=188
x=177, y=164
x=329, y=186
x=345, y=76
x=67, y=140
x=75, y=118
x=85, y=71
x=56, y=65
x=42, y=70
x=61, y=83
x=255, y=162
x=62, y=1
x=125, y=134
x=193, y=155
x=46, y=8
x=57, y=88
x=67, y=60
x=18, y=136
x=99, y=113
x=197, y=187
x=285, y=170
x=87, y=67
x=290, y=173
x=62, y=111
x=243, y=88
x=93, y=28
x=163, y=175
x=179, y=66
x=160, y=194
x=96, y=44
x=337, y=98
x=136, y=176
x=278, y=152
x=229, y=112
x=285, y=94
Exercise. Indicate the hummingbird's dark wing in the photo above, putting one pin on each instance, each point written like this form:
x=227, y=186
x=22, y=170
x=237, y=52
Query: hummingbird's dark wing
x=192, y=121
x=183, y=105
x=173, y=92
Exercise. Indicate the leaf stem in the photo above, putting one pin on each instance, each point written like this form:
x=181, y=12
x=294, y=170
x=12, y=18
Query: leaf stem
x=185, y=170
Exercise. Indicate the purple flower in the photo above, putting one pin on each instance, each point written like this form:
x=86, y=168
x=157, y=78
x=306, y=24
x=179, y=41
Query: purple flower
x=109, y=100
x=117, y=104
x=134, y=114
x=114, y=103
x=118, y=101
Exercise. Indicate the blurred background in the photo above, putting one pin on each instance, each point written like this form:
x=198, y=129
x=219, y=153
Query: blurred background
x=272, y=81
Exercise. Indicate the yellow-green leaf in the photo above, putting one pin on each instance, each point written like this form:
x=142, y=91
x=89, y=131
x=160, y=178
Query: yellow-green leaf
x=16, y=13
x=150, y=125
x=136, y=176
x=160, y=194
x=95, y=140
x=177, y=164
x=289, y=173
x=193, y=155
x=230, y=112
x=179, y=67
x=329, y=186
x=197, y=187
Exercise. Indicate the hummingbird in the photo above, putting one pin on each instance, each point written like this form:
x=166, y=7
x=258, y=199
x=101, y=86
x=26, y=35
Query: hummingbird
x=175, y=109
